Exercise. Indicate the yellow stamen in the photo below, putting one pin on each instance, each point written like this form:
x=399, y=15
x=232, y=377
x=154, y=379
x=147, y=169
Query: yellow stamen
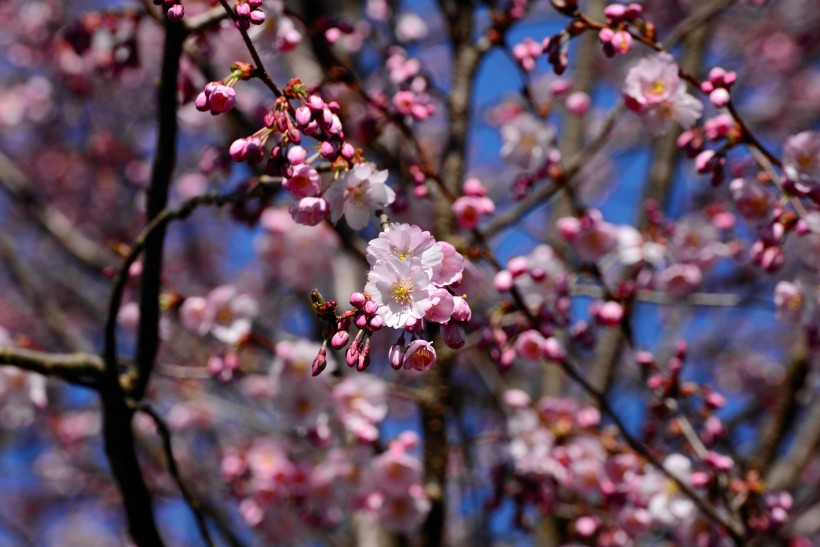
x=657, y=87
x=401, y=291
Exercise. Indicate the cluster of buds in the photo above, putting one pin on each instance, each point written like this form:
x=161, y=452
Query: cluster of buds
x=248, y=12
x=413, y=105
x=364, y=316
x=767, y=251
x=172, y=8
x=527, y=52
x=616, y=38
x=557, y=50
x=412, y=100
x=219, y=97
x=315, y=117
x=717, y=86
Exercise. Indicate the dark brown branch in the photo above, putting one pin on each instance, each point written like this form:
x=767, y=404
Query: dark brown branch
x=82, y=369
x=781, y=419
x=260, y=72
x=786, y=470
x=160, y=222
x=161, y=173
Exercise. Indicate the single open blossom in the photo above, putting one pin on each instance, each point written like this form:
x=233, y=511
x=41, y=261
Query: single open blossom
x=358, y=194
x=801, y=160
x=304, y=181
x=592, y=237
x=405, y=241
x=667, y=503
x=401, y=289
x=527, y=141
x=228, y=314
x=654, y=90
x=752, y=200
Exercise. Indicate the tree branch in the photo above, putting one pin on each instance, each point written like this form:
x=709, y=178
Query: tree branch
x=165, y=433
x=82, y=369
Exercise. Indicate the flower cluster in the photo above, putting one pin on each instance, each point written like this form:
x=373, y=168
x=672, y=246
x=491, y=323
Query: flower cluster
x=410, y=282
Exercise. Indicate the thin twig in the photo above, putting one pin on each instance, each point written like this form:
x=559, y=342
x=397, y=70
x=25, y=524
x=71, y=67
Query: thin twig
x=165, y=433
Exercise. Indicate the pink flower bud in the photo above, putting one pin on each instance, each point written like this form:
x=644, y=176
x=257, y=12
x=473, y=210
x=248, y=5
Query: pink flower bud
x=559, y=87
x=340, y=339
x=622, y=42
x=569, y=228
x=376, y=322
x=357, y=300
x=348, y=151
x=704, y=161
x=257, y=17
x=516, y=398
x=577, y=103
x=175, y=13
x=461, y=309
x=517, y=266
x=473, y=187
x=239, y=150
x=605, y=35
x=330, y=150
x=396, y=356
x=320, y=362
x=315, y=103
x=352, y=354
x=453, y=335
x=719, y=97
x=553, y=350
x=615, y=12
x=370, y=307
x=303, y=116
x=297, y=155
x=716, y=75
x=609, y=314
x=530, y=345
x=503, y=281
x=222, y=99
x=243, y=10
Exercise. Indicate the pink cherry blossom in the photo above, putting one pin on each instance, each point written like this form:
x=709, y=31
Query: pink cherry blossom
x=358, y=194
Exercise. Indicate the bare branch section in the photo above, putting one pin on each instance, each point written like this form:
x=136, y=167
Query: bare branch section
x=161, y=173
x=86, y=251
x=28, y=279
x=165, y=432
x=76, y=368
